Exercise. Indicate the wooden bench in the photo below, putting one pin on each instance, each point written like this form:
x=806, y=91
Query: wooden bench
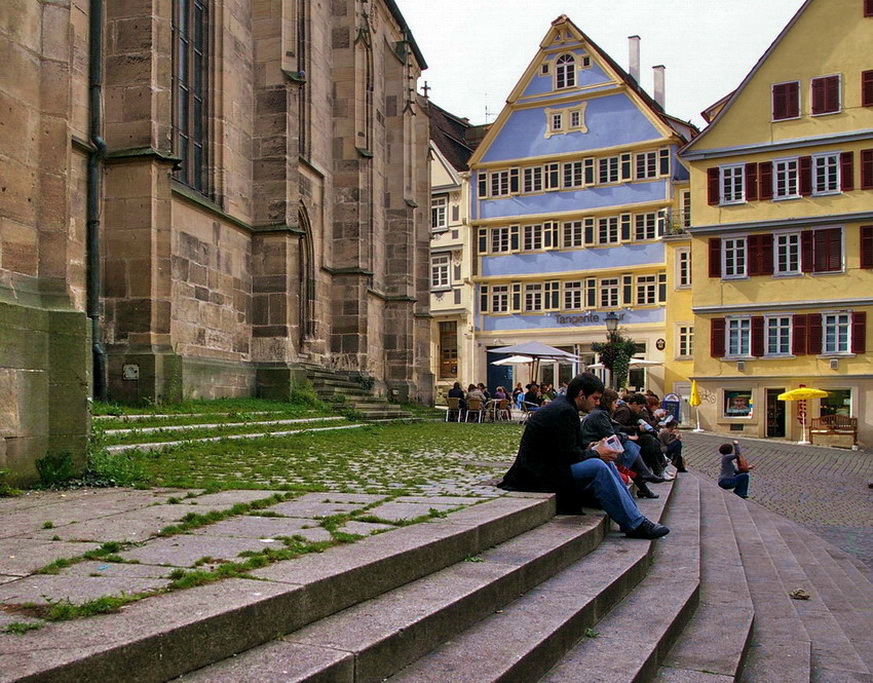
x=834, y=430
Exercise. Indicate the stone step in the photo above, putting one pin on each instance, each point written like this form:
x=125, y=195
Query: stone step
x=717, y=636
x=639, y=630
x=168, y=635
x=779, y=649
x=381, y=635
x=215, y=425
x=832, y=591
x=833, y=654
x=524, y=639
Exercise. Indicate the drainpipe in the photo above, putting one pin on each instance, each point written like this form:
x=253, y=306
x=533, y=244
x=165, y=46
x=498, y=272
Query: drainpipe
x=95, y=167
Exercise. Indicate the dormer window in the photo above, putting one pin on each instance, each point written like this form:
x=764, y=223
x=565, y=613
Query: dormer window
x=565, y=72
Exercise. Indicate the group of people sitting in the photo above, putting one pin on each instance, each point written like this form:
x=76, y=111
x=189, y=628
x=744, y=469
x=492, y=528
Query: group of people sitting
x=534, y=395
x=591, y=463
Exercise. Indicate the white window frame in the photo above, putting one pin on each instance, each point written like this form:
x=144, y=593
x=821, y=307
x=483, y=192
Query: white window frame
x=532, y=179
x=556, y=122
x=738, y=337
x=533, y=297
x=836, y=333
x=782, y=326
x=646, y=165
x=608, y=170
x=828, y=165
x=732, y=184
x=440, y=273
x=574, y=234
x=533, y=237
x=499, y=299
x=500, y=240
x=439, y=213
x=574, y=295
x=683, y=267
x=685, y=340
x=786, y=178
x=786, y=253
x=499, y=184
x=565, y=71
x=552, y=295
x=610, y=292
x=608, y=230
x=734, y=257
x=646, y=291
x=646, y=226
x=574, y=174
x=685, y=211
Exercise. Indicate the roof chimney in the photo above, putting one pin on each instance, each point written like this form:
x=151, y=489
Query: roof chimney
x=659, y=84
x=634, y=57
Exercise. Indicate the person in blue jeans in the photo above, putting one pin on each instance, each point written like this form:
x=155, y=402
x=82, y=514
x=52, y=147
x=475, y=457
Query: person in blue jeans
x=552, y=457
x=730, y=477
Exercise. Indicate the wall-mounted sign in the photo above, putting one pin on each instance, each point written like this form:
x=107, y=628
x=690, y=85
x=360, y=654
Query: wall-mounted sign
x=130, y=371
x=586, y=318
x=660, y=344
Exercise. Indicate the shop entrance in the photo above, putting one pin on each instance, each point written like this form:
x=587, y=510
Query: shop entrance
x=775, y=414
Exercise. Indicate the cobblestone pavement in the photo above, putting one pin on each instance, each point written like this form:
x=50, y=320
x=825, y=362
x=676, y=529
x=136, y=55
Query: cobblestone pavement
x=824, y=489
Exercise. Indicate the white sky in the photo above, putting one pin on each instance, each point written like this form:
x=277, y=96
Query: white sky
x=477, y=50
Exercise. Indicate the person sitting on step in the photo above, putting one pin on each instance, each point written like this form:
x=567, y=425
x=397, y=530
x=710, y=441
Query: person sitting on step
x=671, y=442
x=732, y=477
x=552, y=457
x=599, y=424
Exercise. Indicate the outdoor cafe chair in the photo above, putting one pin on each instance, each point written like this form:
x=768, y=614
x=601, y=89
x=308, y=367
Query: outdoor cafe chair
x=501, y=410
x=474, y=405
x=453, y=414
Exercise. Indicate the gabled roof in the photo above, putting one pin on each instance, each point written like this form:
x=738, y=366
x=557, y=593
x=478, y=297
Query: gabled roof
x=684, y=129
x=449, y=133
x=736, y=93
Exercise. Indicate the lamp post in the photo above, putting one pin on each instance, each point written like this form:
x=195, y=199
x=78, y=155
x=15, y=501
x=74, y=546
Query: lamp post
x=611, y=321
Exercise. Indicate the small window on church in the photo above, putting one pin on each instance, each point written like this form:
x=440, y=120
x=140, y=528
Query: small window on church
x=544, y=69
x=565, y=72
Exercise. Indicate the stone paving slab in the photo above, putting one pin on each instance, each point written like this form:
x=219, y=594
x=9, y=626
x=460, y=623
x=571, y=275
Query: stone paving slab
x=314, y=508
x=124, y=527
x=229, y=498
x=250, y=526
x=396, y=512
x=116, y=569
x=185, y=550
x=42, y=589
x=22, y=556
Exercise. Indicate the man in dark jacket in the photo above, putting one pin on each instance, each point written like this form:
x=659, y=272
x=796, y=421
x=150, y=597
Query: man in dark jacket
x=552, y=457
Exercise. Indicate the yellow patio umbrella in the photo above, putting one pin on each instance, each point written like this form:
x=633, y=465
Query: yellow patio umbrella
x=801, y=394
x=694, y=402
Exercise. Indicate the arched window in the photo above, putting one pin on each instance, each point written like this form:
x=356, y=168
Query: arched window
x=565, y=72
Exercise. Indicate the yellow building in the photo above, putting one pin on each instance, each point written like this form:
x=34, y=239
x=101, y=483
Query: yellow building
x=781, y=241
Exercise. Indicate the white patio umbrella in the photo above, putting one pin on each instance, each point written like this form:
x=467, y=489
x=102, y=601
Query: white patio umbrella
x=513, y=360
x=635, y=363
x=538, y=352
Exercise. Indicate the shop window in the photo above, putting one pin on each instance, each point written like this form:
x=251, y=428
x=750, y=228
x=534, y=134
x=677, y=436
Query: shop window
x=737, y=403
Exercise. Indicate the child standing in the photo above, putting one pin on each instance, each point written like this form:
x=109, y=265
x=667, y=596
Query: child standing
x=731, y=476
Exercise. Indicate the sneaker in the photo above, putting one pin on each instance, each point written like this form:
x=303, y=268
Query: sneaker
x=648, y=530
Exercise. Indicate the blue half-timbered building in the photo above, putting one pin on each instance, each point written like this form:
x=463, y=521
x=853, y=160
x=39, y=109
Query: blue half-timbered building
x=573, y=188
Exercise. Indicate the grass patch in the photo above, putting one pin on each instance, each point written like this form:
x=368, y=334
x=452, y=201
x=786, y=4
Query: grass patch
x=18, y=628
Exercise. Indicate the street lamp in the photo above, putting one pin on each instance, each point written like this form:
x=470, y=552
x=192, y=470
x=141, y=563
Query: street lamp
x=611, y=321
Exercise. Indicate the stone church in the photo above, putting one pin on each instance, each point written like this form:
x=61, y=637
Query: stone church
x=205, y=198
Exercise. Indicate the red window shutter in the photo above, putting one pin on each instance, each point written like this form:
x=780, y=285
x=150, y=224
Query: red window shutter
x=818, y=95
x=828, y=245
x=813, y=333
x=868, y=8
x=758, y=335
x=859, y=332
x=867, y=169
x=751, y=182
x=867, y=246
x=785, y=101
x=717, y=340
x=867, y=88
x=713, y=182
x=847, y=171
x=832, y=93
x=760, y=260
x=765, y=180
x=714, y=257
x=805, y=167
x=807, y=251
x=798, y=334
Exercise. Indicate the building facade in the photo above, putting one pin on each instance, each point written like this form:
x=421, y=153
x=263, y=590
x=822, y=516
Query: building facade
x=203, y=198
x=574, y=187
x=781, y=242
